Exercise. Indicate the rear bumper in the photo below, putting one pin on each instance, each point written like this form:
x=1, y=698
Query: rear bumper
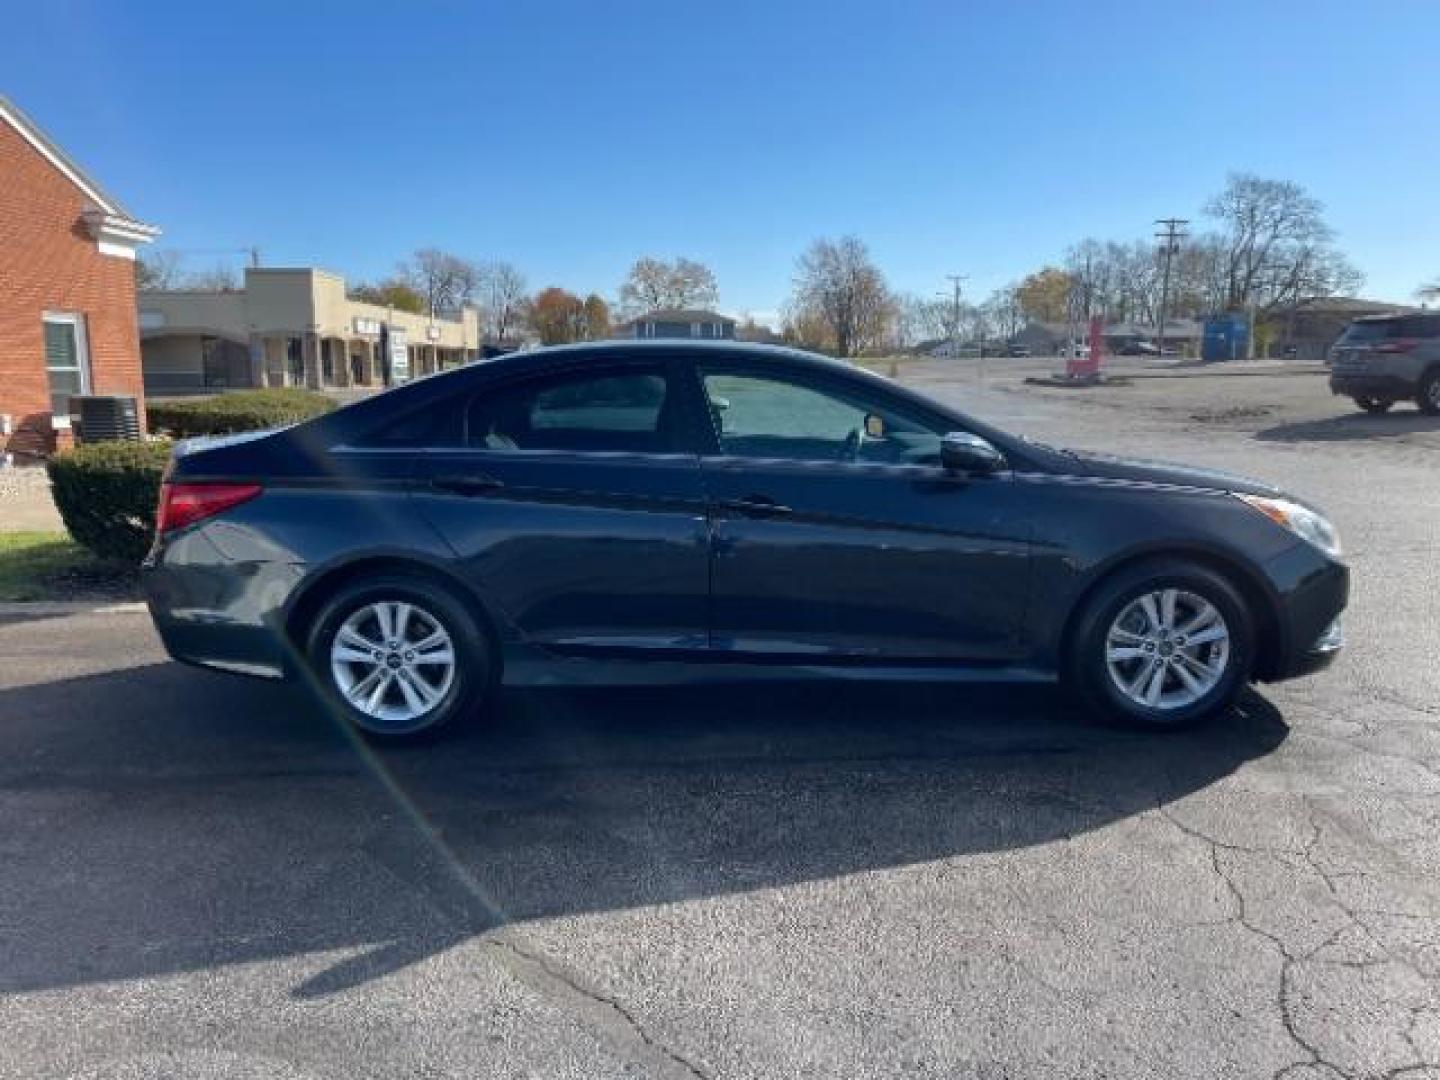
x=1380, y=386
x=217, y=613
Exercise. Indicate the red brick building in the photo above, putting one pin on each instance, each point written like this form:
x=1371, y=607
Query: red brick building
x=67, y=289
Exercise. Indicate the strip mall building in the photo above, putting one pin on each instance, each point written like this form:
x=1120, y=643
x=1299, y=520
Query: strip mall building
x=291, y=327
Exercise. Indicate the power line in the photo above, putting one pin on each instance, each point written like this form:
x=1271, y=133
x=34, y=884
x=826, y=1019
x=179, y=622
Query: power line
x=253, y=253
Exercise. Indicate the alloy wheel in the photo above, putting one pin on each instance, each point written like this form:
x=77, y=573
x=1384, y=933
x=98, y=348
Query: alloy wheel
x=393, y=661
x=1167, y=649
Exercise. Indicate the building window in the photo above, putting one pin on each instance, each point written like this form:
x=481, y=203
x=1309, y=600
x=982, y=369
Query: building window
x=67, y=359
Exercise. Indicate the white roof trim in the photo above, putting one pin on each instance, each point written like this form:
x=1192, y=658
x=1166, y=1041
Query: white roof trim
x=30, y=134
x=116, y=227
x=116, y=235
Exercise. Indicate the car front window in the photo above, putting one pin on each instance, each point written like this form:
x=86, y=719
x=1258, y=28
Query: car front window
x=765, y=417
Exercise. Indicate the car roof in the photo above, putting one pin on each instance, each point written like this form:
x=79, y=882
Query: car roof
x=663, y=346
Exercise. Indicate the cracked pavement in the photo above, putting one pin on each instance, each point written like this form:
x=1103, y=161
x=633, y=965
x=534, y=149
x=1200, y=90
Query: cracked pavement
x=202, y=878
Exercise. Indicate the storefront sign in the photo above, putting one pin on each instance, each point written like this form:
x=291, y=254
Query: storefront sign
x=399, y=356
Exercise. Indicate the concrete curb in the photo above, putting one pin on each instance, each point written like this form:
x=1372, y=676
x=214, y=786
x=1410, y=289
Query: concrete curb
x=1221, y=371
x=53, y=608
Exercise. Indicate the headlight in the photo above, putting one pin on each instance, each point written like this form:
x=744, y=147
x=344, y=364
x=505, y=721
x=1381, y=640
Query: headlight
x=1300, y=520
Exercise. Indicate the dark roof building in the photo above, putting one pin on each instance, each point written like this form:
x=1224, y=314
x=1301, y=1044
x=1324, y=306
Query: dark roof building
x=1306, y=329
x=680, y=323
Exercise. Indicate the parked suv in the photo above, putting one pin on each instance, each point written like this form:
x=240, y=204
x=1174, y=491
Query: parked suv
x=1381, y=360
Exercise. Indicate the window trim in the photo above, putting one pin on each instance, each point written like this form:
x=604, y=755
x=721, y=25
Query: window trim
x=75, y=319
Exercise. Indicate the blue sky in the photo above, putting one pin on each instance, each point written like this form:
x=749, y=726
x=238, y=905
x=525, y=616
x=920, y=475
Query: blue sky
x=572, y=137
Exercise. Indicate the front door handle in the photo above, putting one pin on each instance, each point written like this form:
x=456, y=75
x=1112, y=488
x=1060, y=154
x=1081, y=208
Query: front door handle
x=468, y=485
x=755, y=506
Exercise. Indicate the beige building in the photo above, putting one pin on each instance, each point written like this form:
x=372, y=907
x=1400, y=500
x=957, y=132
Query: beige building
x=290, y=327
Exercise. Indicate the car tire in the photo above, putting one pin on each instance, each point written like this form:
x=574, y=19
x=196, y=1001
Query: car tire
x=1374, y=405
x=422, y=695
x=1428, y=397
x=1118, y=685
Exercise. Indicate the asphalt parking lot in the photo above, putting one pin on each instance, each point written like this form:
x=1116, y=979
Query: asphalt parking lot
x=200, y=876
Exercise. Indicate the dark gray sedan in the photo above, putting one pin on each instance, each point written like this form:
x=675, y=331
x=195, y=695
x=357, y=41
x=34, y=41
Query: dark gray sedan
x=708, y=508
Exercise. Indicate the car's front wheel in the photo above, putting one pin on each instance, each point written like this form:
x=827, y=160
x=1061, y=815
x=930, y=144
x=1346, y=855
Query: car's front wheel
x=1375, y=405
x=1163, y=644
x=398, y=657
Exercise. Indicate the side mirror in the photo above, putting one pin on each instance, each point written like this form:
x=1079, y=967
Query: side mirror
x=963, y=453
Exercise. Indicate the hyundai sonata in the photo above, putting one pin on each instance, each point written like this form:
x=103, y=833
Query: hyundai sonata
x=720, y=506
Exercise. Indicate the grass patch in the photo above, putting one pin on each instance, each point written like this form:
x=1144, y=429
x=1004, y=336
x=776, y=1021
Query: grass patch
x=51, y=566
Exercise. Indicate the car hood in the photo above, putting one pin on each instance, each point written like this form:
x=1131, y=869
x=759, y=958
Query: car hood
x=1163, y=472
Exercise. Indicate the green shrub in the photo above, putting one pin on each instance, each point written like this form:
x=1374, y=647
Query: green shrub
x=245, y=410
x=107, y=493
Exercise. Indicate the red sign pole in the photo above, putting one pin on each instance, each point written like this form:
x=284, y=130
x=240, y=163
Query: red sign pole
x=1097, y=347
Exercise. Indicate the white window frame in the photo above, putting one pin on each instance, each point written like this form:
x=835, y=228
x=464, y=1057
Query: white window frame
x=82, y=347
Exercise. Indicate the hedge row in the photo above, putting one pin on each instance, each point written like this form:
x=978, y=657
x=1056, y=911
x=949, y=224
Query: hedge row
x=245, y=410
x=107, y=493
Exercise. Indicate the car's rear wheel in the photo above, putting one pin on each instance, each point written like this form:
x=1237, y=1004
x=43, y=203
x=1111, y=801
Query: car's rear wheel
x=1374, y=404
x=1428, y=399
x=399, y=658
x=1163, y=644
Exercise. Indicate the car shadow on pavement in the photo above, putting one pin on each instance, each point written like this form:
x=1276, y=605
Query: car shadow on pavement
x=161, y=820
x=1353, y=426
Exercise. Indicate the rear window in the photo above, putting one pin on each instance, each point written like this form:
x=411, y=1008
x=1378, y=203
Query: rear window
x=1404, y=326
x=580, y=411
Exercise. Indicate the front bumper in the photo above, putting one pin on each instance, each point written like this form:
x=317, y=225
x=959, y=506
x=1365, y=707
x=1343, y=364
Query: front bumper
x=1313, y=590
x=1377, y=386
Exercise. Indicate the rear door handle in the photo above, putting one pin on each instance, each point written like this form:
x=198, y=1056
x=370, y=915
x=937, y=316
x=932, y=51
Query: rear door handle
x=468, y=485
x=755, y=506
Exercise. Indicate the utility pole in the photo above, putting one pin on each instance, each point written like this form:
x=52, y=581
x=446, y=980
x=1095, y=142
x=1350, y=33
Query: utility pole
x=1170, y=244
x=955, y=280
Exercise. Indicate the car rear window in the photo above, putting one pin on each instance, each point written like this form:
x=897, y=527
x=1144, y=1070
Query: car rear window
x=1405, y=326
x=620, y=411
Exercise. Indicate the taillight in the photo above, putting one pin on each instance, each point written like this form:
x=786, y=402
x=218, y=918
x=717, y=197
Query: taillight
x=1399, y=345
x=184, y=504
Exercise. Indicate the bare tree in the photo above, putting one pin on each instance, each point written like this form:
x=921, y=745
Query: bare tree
x=219, y=278
x=654, y=285
x=1277, y=247
x=1429, y=292
x=838, y=287
x=1003, y=313
x=158, y=270
x=502, y=296
x=1272, y=248
x=918, y=319
x=445, y=281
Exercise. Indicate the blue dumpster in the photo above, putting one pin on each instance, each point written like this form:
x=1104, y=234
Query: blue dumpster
x=1227, y=337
